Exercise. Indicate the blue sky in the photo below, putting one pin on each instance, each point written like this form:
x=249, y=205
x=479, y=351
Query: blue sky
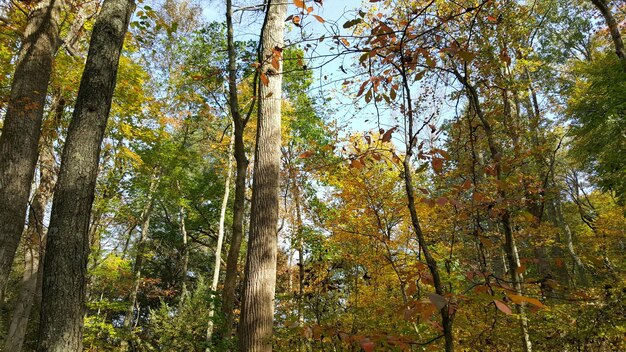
x=351, y=115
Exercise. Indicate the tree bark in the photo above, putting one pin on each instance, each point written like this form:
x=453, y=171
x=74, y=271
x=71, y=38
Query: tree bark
x=220, y=240
x=67, y=248
x=22, y=126
x=569, y=242
x=239, y=124
x=300, y=240
x=34, y=237
x=255, y=329
x=141, y=248
x=616, y=36
x=510, y=247
x=447, y=316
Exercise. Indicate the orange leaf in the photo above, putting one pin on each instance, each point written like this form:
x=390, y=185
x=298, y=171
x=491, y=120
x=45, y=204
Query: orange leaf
x=264, y=79
x=307, y=154
x=387, y=136
x=367, y=345
x=411, y=289
x=296, y=20
x=299, y=3
x=356, y=164
x=502, y=307
x=520, y=299
x=437, y=164
x=319, y=19
x=443, y=153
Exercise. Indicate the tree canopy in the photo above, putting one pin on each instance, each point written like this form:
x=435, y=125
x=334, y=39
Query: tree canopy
x=312, y=175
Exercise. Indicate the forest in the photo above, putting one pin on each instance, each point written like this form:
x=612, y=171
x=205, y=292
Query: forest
x=309, y=175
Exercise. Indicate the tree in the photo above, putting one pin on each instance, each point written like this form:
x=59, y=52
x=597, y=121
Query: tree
x=35, y=234
x=22, y=125
x=239, y=150
x=67, y=247
x=616, y=36
x=255, y=327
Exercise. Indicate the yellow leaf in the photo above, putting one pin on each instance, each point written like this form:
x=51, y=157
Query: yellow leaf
x=520, y=299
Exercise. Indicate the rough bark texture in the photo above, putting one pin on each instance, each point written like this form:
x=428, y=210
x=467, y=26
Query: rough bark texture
x=255, y=328
x=232, y=261
x=67, y=248
x=22, y=124
x=34, y=236
x=604, y=9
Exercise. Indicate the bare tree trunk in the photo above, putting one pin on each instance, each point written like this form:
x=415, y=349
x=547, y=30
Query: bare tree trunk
x=239, y=124
x=255, y=328
x=430, y=261
x=183, y=232
x=141, y=248
x=505, y=216
x=220, y=239
x=411, y=138
x=578, y=264
x=85, y=12
x=22, y=126
x=34, y=237
x=604, y=9
x=296, y=196
x=67, y=247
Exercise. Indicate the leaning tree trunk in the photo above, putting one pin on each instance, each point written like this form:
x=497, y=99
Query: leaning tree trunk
x=618, y=43
x=67, y=248
x=239, y=124
x=22, y=124
x=255, y=327
x=34, y=237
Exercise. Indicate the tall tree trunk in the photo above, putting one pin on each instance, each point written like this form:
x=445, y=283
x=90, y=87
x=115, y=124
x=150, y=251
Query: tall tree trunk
x=411, y=138
x=417, y=229
x=146, y=214
x=569, y=242
x=299, y=229
x=616, y=36
x=183, y=232
x=22, y=126
x=505, y=217
x=34, y=237
x=220, y=239
x=182, y=226
x=255, y=328
x=67, y=248
x=239, y=124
